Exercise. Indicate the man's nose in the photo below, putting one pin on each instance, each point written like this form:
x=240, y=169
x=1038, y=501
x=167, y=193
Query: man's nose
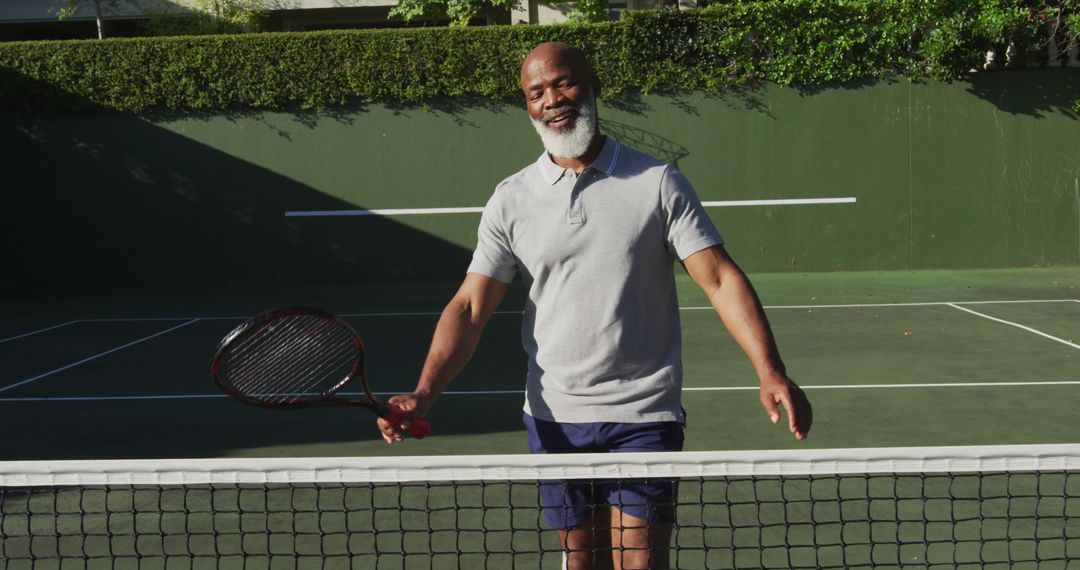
x=553, y=98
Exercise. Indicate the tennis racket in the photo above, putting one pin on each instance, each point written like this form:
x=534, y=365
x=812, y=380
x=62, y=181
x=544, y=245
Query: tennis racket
x=299, y=358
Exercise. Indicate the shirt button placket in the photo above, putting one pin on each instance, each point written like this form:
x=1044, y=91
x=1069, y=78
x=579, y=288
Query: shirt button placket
x=576, y=212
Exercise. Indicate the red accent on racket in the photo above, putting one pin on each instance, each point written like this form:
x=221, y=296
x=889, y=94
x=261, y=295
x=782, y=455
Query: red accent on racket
x=299, y=358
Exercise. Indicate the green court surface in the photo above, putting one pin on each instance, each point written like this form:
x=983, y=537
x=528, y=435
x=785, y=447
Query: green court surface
x=888, y=359
x=891, y=359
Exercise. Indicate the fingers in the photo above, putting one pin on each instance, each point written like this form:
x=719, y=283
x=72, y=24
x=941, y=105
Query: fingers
x=792, y=413
x=392, y=428
x=800, y=415
x=389, y=432
x=795, y=403
x=771, y=410
x=805, y=412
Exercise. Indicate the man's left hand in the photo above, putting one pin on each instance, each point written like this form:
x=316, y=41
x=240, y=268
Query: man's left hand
x=778, y=390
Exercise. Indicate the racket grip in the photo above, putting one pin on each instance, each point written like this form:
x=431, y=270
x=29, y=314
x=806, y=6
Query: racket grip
x=418, y=427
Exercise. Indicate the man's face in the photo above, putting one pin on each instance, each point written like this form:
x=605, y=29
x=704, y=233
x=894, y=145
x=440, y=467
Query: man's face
x=560, y=101
x=555, y=86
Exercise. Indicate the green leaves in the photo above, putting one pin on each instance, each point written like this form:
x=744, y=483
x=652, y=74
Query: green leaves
x=796, y=42
x=589, y=12
x=459, y=11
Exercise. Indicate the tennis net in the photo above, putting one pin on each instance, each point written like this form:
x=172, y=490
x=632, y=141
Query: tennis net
x=944, y=507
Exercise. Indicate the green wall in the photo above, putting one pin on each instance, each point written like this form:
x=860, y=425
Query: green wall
x=983, y=173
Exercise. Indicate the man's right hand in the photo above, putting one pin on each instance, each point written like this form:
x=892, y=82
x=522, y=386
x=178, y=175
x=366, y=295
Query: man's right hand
x=456, y=337
x=415, y=406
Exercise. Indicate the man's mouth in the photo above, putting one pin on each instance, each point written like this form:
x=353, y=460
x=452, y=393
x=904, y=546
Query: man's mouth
x=561, y=119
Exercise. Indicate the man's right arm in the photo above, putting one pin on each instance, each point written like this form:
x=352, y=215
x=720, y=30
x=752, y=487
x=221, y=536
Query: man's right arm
x=455, y=340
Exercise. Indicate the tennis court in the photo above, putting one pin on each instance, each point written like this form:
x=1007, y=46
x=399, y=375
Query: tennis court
x=145, y=176
x=891, y=359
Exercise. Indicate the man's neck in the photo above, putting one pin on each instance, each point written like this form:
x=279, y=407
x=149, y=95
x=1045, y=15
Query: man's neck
x=578, y=164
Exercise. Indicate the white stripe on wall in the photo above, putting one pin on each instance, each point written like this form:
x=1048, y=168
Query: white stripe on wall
x=477, y=210
x=792, y=202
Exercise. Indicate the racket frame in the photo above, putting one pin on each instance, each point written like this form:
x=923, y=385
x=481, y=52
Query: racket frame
x=328, y=398
x=418, y=427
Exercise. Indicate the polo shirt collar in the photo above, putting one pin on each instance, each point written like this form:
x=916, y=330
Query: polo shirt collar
x=608, y=158
x=605, y=162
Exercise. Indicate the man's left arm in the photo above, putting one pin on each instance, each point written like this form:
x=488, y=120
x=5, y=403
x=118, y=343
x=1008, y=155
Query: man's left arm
x=734, y=299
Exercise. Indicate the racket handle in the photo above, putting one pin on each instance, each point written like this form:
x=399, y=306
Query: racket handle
x=418, y=427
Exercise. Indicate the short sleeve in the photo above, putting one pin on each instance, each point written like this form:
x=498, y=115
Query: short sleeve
x=493, y=256
x=688, y=228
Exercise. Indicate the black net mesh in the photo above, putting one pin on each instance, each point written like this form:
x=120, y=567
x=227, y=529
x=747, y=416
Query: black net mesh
x=872, y=520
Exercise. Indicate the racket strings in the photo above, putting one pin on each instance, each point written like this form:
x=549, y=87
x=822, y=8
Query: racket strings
x=320, y=377
x=278, y=343
x=332, y=366
x=294, y=364
x=251, y=361
x=259, y=373
x=291, y=359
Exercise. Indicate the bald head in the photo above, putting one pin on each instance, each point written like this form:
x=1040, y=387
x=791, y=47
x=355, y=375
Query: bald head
x=550, y=56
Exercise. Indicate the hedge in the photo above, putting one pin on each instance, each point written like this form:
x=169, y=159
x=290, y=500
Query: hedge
x=798, y=42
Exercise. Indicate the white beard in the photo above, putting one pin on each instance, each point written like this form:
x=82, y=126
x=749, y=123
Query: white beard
x=572, y=142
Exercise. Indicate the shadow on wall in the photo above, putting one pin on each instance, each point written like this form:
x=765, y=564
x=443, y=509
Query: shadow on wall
x=110, y=201
x=105, y=199
x=660, y=147
x=1033, y=92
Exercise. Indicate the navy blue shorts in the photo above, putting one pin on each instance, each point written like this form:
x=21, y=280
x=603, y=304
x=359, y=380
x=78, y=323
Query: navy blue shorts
x=570, y=503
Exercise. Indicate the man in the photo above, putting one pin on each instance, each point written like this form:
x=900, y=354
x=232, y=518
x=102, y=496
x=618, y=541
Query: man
x=593, y=228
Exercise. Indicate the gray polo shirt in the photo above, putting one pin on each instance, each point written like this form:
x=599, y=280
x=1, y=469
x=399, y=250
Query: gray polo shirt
x=601, y=323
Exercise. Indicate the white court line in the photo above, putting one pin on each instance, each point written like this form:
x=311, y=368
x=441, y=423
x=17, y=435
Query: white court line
x=112, y=398
x=885, y=386
x=1019, y=326
x=477, y=210
x=768, y=307
x=384, y=212
x=24, y=335
x=94, y=357
x=147, y=319
x=921, y=304
x=522, y=392
x=417, y=314
x=810, y=387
